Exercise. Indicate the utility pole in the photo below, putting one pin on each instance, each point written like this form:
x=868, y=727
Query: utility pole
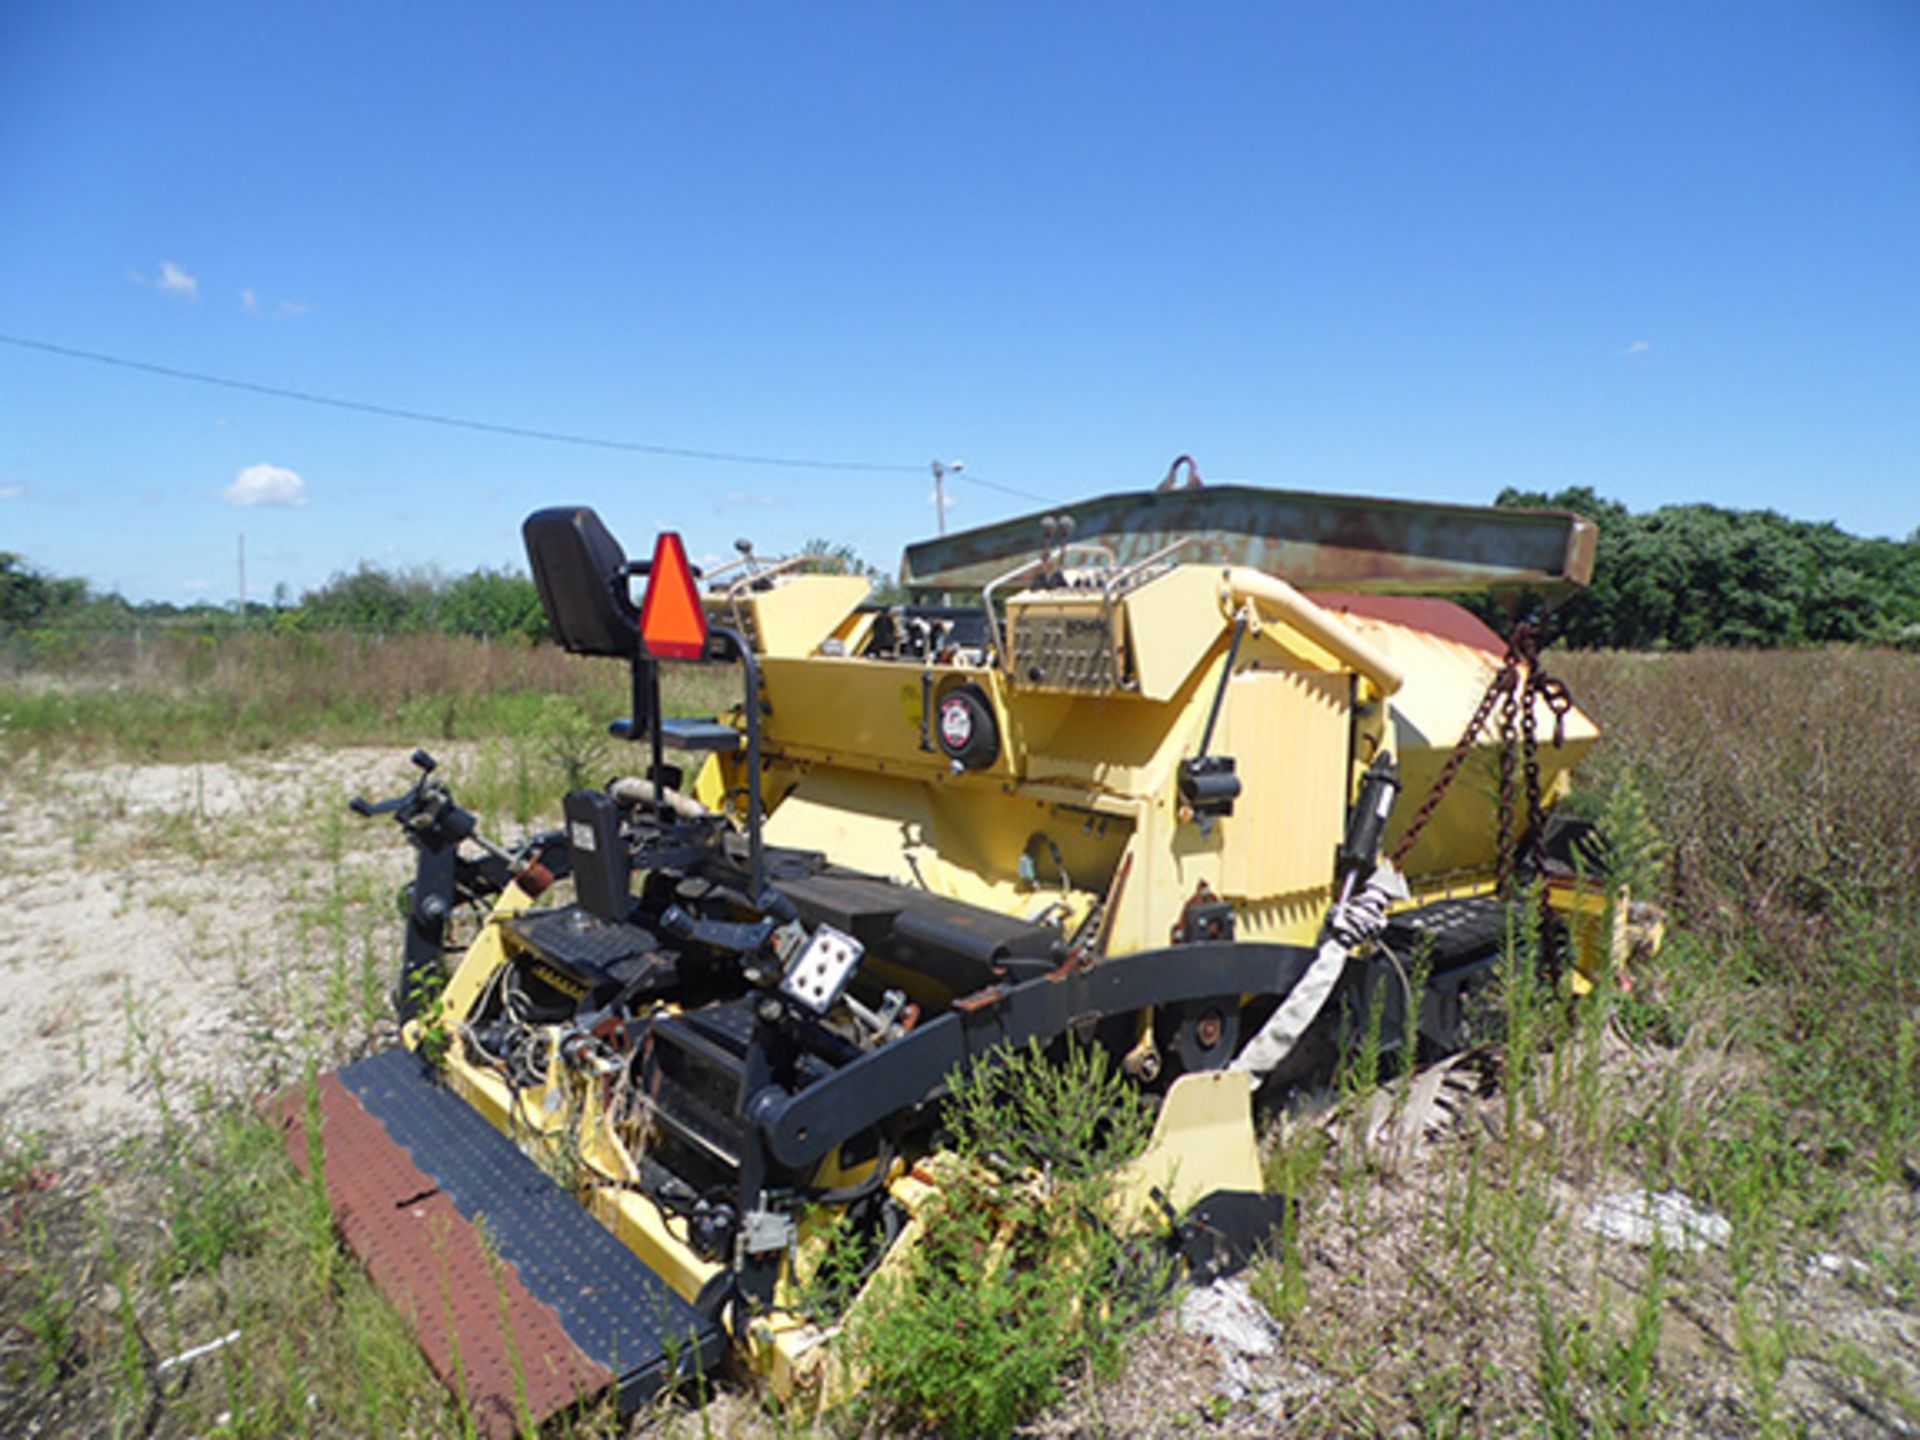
x=942, y=469
x=243, y=578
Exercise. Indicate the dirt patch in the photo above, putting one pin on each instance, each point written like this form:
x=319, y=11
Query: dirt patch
x=173, y=924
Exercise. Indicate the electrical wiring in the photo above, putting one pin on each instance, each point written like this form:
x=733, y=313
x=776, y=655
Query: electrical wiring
x=454, y=422
x=495, y=427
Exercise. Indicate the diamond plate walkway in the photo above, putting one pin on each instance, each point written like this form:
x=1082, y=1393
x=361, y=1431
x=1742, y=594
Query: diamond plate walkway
x=524, y=1304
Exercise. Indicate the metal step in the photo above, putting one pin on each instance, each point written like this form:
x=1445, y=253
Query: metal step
x=699, y=735
x=524, y=1304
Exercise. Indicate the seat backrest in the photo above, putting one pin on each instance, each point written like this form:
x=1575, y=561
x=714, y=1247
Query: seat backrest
x=581, y=572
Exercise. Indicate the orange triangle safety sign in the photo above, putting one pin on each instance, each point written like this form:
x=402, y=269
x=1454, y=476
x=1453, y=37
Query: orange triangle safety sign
x=673, y=624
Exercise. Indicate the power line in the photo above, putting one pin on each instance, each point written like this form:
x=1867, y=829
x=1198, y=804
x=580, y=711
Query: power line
x=967, y=477
x=461, y=422
x=490, y=427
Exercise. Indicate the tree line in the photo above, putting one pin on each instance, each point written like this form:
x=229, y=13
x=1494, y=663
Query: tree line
x=1683, y=577
x=1677, y=578
x=488, y=603
x=484, y=602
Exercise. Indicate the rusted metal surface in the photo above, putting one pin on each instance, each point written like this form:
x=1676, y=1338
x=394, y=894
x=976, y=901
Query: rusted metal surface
x=488, y=1339
x=984, y=999
x=1415, y=612
x=1345, y=542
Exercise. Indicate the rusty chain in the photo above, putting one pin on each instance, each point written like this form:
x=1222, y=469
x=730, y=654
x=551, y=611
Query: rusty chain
x=1517, y=687
x=1552, y=692
x=1509, y=716
x=1503, y=679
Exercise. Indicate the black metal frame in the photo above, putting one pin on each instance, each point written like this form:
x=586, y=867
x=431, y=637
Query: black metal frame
x=443, y=878
x=801, y=1129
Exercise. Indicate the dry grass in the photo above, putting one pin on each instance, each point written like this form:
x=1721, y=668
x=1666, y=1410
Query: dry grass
x=183, y=696
x=1783, y=780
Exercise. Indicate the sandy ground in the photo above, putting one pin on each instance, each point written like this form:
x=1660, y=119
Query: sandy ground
x=168, y=926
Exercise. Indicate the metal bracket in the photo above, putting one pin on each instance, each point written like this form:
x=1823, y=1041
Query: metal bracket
x=766, y=1232
x=1204, y=918
x=821, y=972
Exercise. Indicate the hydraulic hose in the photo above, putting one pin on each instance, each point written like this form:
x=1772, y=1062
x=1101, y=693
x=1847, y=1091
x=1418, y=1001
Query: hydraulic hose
x=1351, y=923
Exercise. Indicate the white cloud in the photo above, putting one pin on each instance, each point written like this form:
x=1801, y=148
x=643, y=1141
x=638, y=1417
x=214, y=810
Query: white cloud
x=175, y=281
x=172, y=280
x=1639, y=347
x=295, y=307
x=196, y=585
x=745, y=499
x=12, y=492
x=266, y=485
x=251, y=301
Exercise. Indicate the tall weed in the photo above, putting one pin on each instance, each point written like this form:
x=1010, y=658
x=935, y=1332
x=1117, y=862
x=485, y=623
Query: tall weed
x=1017, y=1275
x=1781, y=786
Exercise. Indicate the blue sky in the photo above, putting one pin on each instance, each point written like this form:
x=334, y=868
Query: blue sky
x=1670, y=251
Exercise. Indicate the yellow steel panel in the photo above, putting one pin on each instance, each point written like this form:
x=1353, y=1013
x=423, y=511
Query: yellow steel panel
x=866, y=714
x=1170, y=860
x=853, y=632
x=867, y=710
x=1108, y=746
x=1287, y=731
x=883, y=826
x=710, y=784
x=1202, y=1141
x=1172, y=622
x=796, y=614
x=962, y=843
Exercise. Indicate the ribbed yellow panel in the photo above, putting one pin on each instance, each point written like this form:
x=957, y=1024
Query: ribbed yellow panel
x=1285, y=919
x=1287, y=731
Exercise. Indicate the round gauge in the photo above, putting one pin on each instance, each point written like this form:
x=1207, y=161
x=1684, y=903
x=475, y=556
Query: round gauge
x=968, y=733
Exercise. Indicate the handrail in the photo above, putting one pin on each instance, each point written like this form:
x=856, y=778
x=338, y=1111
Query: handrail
x=1001, y=661
x=1239, y=585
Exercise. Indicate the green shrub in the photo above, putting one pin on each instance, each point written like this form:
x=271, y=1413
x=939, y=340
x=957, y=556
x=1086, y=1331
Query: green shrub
x=1016, y=1276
